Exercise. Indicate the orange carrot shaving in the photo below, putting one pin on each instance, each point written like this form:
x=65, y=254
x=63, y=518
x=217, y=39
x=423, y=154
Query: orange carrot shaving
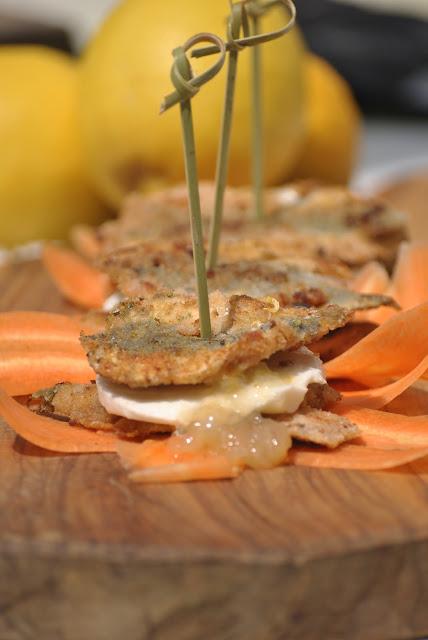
x=84, y=240
x=385, y=443
x=410, y=279
x=40, y=349
x=390, y=351
x=419, y=467
x=139, y=455
x=23, y=372
x=51, y=434
x=377, y=316
x=28, y=347
x=203, y=469
x=412, y=402
x=372, y=278
x=77, y=280
x=20, y=326
x=383, y=429
x=380, y=396
x=157, y=461
x=354, y=456
x=409, y=285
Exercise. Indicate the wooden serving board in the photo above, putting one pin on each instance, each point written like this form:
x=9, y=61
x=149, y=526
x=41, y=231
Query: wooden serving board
x=286, y=554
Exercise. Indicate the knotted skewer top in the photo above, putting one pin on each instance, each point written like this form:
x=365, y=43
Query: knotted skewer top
x=186, y=84
x=241, y=13
x=237, y=20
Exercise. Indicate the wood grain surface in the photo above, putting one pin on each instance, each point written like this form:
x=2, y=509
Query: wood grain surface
x=278, y=555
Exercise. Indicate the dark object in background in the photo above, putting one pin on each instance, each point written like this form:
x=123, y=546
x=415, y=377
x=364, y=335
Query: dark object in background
x=19, y=31
x=383, y=56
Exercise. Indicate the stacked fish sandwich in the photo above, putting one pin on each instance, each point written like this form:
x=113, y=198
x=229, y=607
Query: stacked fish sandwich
x=247, y=391
x=244, y=393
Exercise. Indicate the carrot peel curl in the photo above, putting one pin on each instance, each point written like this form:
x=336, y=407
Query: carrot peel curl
x=76, y=279
x=51, y=434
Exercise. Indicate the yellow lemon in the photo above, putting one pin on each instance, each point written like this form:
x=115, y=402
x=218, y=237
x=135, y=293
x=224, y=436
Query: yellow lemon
x=332, y=125
x=43, y=187
x=125, y=73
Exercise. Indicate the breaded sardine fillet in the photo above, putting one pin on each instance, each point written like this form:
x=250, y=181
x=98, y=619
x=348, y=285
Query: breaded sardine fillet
x=349, y=248
x=79, y=405
x=318, y=220
x=156, y=341
x=141, y=271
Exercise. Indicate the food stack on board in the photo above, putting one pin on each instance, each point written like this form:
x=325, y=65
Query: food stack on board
x=197, y=372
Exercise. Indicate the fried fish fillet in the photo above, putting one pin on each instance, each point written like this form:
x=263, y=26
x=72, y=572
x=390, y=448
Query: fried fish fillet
x=305, y=217
x=320, y=427
x=308, y=205
x=161, y=215
x=141, y=271
x=161, y=259
x=76, y=403
x=151, y=342
x=339, y=341
x=79, y=405
x=350, y=248
x=320, y=222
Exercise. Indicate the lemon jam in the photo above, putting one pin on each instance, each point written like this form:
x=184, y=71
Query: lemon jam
x=256, y=441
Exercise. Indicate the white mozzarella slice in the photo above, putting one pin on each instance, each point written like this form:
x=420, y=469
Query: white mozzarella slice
x=260, y=389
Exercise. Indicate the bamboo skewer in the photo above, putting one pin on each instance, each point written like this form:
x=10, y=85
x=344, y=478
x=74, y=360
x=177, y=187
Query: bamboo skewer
x=253, y=9
x=187, y=86
x=236, y=21
x=257, y=126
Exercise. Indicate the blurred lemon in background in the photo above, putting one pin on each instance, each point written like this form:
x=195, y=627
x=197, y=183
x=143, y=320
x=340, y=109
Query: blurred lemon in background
x=332, y=125
x=125, y=73
x=43, y=187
